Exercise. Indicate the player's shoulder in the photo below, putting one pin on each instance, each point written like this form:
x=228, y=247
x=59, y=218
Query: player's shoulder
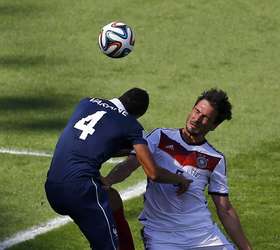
x=213, y=150
x=158, y=131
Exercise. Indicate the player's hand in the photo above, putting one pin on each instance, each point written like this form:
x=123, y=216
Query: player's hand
x=183, y=186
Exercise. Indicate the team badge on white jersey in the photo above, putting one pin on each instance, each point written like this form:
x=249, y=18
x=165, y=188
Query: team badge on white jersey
x=201, y=161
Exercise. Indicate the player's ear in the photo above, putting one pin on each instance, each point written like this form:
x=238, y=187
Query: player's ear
x=214, y=123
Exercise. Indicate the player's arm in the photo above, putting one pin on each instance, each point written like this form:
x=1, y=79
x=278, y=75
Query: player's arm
x=156, y=173
x=121, y=171
x=124, y=169
x=230, y=221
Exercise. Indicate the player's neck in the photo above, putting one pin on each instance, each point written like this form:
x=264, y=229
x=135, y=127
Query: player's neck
x=192, y=138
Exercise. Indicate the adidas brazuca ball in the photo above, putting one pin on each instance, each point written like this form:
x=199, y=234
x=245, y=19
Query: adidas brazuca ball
x=116, y=39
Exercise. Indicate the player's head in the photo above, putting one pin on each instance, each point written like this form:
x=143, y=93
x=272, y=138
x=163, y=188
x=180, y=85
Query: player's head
x=135, y=101
x=211, y=108
x=219, y=101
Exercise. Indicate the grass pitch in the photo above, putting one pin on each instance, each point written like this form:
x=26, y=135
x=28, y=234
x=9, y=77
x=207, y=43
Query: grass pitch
x=49, y=59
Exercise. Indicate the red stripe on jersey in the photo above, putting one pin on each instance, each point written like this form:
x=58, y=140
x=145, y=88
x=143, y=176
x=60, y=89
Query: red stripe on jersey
x=185, y=157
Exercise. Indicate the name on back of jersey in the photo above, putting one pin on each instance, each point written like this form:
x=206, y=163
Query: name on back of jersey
x=103, y=104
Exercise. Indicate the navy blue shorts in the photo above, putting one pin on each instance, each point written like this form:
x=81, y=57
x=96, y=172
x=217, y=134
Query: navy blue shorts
x=88, y=205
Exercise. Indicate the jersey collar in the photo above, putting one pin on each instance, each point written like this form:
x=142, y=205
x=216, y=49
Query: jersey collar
x=191, y=144
x=118, y=104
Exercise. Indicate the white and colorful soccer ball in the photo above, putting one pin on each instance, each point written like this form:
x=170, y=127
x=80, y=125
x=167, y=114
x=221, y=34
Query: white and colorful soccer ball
x=116, y=39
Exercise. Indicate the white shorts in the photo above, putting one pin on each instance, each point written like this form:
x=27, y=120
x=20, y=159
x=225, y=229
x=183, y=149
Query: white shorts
x=210, y=238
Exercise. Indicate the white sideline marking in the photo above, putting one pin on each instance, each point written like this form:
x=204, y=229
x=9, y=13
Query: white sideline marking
x=32, y=232
x=133, y=191
x=43, y=154
x=24, y=152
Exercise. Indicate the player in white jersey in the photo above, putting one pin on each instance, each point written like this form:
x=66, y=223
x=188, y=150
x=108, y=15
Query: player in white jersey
x=173, y=222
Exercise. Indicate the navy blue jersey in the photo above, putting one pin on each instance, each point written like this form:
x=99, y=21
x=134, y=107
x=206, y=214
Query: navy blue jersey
x=96, y=131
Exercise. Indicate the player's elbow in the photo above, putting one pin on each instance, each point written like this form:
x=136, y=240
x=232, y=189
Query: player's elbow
x=153, y=175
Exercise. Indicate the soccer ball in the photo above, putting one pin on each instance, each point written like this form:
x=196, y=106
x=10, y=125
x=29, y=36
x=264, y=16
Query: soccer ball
x=116, y=39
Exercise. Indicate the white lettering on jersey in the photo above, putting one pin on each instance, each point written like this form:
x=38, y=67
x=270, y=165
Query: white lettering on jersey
x=107, y=106
x=170, y=147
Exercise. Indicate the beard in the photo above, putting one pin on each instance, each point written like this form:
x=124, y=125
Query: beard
x=192, y=131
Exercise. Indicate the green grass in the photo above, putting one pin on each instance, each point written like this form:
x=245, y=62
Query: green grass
x=23, y=203
x=254, y=186
x=49, y=59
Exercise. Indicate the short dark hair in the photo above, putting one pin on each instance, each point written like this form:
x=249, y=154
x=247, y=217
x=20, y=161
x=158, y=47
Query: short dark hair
x=135, y=101
x=219, y=100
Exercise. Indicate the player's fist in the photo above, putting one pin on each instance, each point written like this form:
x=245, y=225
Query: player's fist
x=183, y=185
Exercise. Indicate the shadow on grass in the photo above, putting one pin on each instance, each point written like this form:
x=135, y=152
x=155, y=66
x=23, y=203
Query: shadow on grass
x=35, y=113
x=55, y=124
x=25, y=61
x=24, y=9
x=13, y=103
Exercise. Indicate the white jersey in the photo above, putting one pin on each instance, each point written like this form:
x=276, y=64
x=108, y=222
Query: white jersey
x=163, y=209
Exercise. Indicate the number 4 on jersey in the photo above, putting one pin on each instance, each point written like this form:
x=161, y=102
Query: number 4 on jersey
x=87, y=124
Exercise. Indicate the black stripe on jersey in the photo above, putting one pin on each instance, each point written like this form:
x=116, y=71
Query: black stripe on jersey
x=142, y=219
x=220, y=194
x=152, y=131
x=219, y=152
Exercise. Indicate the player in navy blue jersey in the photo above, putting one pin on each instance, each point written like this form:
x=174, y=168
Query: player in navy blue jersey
x=98, y=130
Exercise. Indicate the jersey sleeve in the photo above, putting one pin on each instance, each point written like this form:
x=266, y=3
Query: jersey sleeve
x=218, y=180
x=153, y=139
x=136, y=134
